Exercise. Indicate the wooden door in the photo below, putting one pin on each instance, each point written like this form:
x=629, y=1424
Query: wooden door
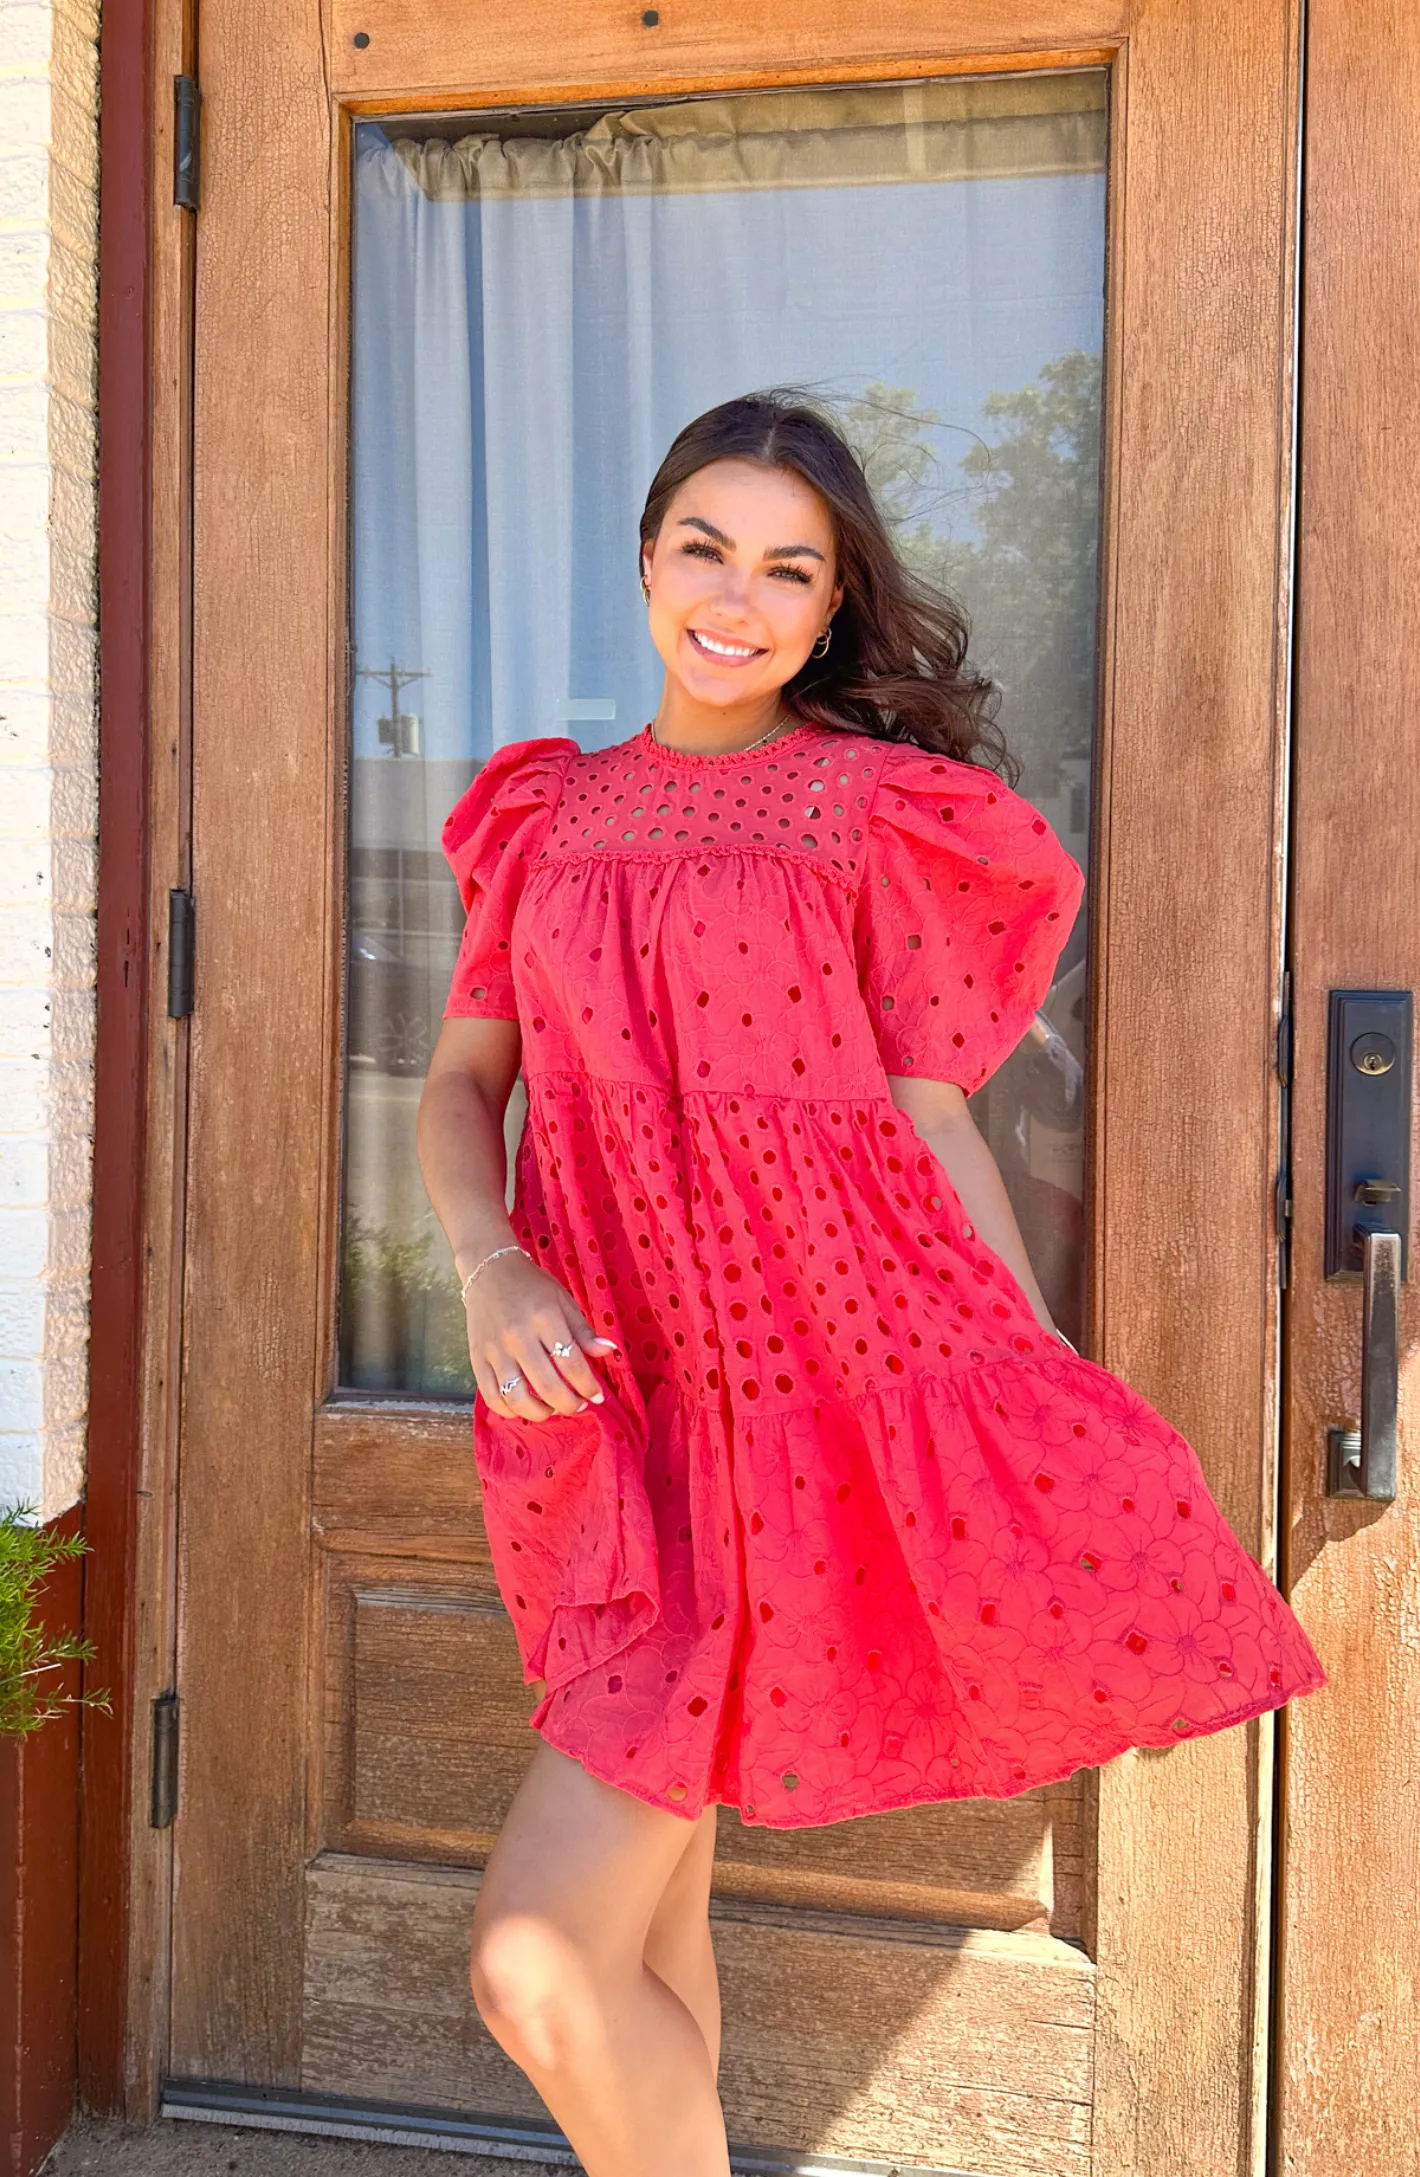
x=1070, y=1981
x=1349, y=2054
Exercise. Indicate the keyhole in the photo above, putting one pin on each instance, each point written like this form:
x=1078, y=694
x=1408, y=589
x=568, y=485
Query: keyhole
x=1373, y=1054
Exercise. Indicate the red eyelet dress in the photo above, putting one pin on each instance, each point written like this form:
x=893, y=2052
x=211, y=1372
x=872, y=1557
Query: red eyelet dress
x=851, y=1531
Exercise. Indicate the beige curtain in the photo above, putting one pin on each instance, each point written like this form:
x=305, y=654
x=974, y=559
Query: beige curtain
x=947, y=129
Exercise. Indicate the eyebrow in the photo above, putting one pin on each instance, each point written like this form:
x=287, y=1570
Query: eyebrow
x=776, y=551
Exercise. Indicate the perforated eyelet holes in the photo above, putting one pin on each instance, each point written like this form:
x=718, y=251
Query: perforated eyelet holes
x=640, y=798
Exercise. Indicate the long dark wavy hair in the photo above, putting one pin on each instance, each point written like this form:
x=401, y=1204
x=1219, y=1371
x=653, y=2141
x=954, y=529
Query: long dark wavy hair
x=896, y=668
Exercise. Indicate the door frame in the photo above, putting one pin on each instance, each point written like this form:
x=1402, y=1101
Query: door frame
x=133, y=1496
x=128, y=1126
x=1346, y=2057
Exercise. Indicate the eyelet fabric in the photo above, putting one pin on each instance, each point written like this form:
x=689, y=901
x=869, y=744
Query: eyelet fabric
x=851, y=1531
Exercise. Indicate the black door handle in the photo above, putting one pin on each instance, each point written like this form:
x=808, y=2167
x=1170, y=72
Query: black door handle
x=1363, y=1461
x=1367, y=1218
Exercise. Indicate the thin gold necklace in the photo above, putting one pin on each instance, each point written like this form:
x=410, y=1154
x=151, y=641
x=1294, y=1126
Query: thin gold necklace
x=724, y=751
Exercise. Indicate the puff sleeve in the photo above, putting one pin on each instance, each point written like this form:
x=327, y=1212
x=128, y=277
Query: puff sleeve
x=490, y=839
x=965, y=903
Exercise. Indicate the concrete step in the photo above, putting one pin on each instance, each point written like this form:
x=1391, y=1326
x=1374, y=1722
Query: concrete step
x=92, y=2148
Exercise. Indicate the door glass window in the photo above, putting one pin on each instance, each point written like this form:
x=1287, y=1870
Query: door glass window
x=541, y=300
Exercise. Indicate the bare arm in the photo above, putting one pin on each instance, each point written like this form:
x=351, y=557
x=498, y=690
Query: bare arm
x=938, y=1110
x=516, y=1312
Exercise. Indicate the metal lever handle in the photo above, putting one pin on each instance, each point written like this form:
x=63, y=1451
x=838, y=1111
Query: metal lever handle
x=1363, y=1461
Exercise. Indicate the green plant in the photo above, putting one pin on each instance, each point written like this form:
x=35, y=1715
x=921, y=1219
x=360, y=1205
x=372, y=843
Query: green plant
x=1013, y=536
x=30, y=1654
x=402, y=1321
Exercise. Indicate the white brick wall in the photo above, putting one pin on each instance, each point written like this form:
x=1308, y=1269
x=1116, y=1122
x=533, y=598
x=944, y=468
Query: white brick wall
x=48, y=745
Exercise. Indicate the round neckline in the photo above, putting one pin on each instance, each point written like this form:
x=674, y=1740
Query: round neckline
x=690, y=760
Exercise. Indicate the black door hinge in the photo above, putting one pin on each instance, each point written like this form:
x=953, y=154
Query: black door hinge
x=182, y=945
x=1284, y=1033
x=165, y=1761
x=187, y=143
x=1284, y=1226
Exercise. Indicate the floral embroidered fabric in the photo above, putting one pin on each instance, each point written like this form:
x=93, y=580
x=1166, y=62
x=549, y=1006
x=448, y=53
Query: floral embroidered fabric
x=851, y=1531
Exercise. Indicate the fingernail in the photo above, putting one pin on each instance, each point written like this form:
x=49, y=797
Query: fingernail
x=598, y=1397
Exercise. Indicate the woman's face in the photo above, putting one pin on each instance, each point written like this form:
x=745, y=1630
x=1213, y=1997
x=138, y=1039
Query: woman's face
x=742, y=581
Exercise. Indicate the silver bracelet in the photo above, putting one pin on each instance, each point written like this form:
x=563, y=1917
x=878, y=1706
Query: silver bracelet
x=511, y=1249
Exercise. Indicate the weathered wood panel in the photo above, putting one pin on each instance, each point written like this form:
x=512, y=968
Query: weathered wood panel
x=1186, y=882
x=1350, y=2072
x=476, y=46
x=427, y=1740
x=1188, y=942
x=397, y=1479
x=259, y=1079
x=978, y=1863
x=972, y=2050
x=148, y=1898
x=437, y=1716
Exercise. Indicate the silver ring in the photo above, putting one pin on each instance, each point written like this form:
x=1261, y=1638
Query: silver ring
x=507, y=1389
x=561, y=1350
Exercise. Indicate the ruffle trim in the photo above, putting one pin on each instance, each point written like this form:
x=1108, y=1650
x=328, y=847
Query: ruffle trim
x=587, y=1607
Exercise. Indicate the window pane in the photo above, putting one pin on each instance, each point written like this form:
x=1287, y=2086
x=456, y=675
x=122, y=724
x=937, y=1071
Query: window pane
x=541, y=300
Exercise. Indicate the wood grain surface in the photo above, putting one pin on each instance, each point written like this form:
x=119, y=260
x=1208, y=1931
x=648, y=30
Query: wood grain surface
x=316, y=1542
x=974, y=2048
x=476, y=49
x=400, y=1479
x=261, y=830
x=1349, y=2071
x=426, y=1740
x=171, y=244
x=1187, y=945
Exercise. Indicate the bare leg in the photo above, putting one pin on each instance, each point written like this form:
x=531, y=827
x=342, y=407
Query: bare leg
x=678, y=1947
x=560, y=1975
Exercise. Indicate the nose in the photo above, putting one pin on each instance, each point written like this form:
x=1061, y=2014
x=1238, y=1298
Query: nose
x=732, y=591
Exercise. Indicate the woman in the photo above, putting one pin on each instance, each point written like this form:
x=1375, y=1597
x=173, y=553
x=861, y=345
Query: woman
x=798, y=1501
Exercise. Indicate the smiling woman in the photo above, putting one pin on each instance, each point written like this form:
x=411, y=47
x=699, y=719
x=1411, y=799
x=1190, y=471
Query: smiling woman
x=868, y=642
x=728, y=604
x=798, y=1501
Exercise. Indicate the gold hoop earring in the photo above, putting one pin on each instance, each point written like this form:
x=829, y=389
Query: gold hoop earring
x=645, y=589
x=820, y=648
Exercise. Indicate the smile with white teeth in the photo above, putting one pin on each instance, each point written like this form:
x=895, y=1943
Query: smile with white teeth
x=719, y=646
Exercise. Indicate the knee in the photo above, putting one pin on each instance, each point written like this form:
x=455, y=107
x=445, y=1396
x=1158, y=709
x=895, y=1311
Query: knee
x=530, y=1988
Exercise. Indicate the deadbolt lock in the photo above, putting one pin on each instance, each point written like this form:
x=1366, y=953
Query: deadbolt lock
x=1368, y=1218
